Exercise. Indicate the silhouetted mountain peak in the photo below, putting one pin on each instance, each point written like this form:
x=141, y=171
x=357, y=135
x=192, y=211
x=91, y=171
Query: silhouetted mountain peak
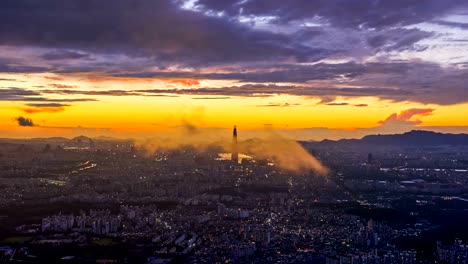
x=412, y=138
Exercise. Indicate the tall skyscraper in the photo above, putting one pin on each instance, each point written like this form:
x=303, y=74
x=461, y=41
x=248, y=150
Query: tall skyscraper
x=234, y=151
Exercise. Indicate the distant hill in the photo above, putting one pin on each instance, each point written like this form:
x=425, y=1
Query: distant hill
x=414, y=138
x=81, y=139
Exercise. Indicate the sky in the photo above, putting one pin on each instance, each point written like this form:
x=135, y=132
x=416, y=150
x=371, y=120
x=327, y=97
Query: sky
x=310, y=69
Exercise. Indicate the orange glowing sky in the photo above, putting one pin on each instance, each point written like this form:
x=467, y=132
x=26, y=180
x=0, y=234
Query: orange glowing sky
x=142, y=115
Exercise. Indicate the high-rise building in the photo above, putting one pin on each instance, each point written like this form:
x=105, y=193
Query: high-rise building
x=234, y=151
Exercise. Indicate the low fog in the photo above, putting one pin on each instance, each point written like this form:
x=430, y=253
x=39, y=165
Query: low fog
x=286, y=153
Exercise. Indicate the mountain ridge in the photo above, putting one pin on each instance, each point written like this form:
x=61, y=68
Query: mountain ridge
x=411, y=138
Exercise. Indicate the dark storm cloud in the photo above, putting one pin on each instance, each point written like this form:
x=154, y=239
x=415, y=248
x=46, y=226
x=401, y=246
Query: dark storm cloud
x=284, y=73
x=397, y=81
x=272, y=89
x=23, y=121
x=159, y=29
x=150, y=39
x=63, y=54
x=20, y=94
x=14, y=92
x=11, y=68
x=456, y=94
x=118, y=93
x=400, y=80
x=342, y=13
